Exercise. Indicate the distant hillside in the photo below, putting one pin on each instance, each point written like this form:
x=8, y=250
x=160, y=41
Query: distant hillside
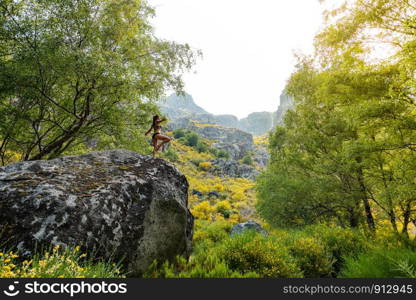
x=257, y=123
x=181, y=109
x=176, y=106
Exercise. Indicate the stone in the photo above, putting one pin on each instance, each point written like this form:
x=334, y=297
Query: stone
x=250, y=225
x=117, y=204
x=232, y=168
x=198, y=193
x=214, y=194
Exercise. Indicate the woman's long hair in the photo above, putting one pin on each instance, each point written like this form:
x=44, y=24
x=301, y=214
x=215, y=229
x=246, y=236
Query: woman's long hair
x=155, y=118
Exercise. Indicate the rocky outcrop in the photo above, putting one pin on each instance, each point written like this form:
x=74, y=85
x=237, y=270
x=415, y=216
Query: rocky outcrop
x=118, y=203
x=250, y=225
x=257, y=123
x=261, y=157
x=176, y=106
x=234, y=141
x=182, y=109
x=232, y=168
x=286, y=103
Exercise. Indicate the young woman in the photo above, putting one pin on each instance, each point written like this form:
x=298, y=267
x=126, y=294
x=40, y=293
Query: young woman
x=157, y=136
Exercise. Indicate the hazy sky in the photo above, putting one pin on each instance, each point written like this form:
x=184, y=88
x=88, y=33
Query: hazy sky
x=247, y=47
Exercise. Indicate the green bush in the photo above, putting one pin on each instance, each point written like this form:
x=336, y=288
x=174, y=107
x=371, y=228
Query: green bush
x=192, y=139
x=313, y=257
x=55, y=263
x=252, y=252
x=218, y=153
x=203, y=265
x=209, y=234
x=179, y=133
x=201, y=147
x=171, y=155
x=314, y=251
x=339, y=241
x=381, y=263
x=196, y=161
x=247, y=159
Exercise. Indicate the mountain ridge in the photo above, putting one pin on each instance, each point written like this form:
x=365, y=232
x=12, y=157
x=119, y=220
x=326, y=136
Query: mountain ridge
x=181, y=108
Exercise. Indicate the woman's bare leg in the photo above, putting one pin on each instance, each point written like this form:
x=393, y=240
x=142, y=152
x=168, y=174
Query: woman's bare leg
x=154, y=143
x=165, y=139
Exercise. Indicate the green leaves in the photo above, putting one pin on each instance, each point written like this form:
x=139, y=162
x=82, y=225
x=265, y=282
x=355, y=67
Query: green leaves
x=76, y=70
x=347, y=152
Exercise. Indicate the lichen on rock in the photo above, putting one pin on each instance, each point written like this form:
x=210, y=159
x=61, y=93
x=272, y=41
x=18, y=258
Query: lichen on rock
x=118, y=204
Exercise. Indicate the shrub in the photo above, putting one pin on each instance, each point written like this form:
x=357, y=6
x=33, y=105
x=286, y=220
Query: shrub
x=224, y=208
x=200, y=266
x=179, y=133
x=196, y=161
x=203, y=211
x=68, y=263
x=220, y=153
x=209, y=234
x=205, y=165
x=252, y=252
x=223, y=154
x=381, y=263
x=201, y=147
x=313, y=257
x=219, y=187
x=171, y=155
x=192, y=139
x=247, y=159
x=339, y=241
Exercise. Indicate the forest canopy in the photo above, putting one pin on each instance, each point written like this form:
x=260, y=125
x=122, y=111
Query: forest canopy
x=79, y=72
x=347, y=152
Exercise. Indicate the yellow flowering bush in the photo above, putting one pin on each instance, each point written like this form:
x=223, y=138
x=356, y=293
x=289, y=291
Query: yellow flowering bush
x=219, y=187
x=223, y=206
x=205, y=165
x=251, y=252
x=67, y=263
x=7, y=265
x=313, y=257
x=261, y=141
x=203, y=211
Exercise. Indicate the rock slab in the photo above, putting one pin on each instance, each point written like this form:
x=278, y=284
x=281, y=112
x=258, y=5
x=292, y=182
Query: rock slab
x=249, y=225
x=120, y=204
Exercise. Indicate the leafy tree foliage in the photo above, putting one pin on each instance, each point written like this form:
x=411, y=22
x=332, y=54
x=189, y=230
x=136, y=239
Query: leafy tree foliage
x=347, y=152
x=77, y=71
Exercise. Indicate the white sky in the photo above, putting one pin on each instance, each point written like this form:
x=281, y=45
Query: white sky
x=247, y=47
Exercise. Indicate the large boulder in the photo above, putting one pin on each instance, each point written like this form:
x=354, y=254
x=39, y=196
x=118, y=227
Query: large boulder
x=249, y=225
x=118, y=203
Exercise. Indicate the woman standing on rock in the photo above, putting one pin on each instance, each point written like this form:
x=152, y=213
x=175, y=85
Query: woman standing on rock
x=157, y=136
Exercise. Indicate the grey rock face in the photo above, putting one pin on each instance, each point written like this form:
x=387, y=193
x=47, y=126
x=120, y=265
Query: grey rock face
x=232, y=168
x=286, y=103
x=257, y=123
x=176, y=106
x=250, y=225
x=234, y=141
x=119, y=203
x=261, y=157
x=182, y=109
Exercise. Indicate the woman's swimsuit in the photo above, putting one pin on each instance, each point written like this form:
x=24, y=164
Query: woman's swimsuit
x=157, y=127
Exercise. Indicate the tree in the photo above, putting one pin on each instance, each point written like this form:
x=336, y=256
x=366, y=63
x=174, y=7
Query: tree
x=71, y=71
x=347, y=152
